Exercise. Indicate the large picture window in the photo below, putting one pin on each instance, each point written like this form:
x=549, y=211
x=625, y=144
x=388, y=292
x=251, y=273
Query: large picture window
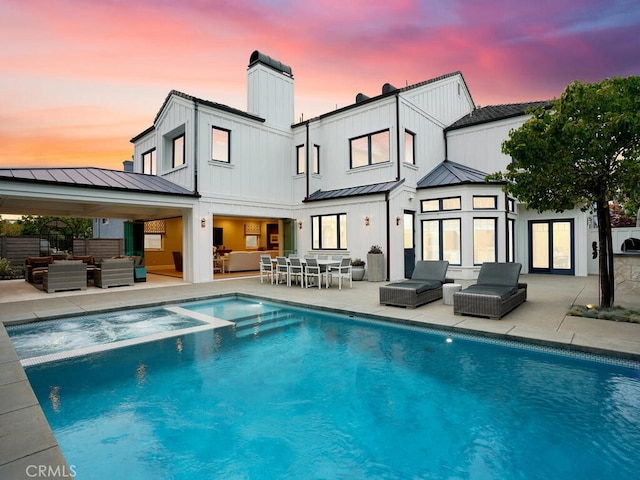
x=329, y=232
x=484, y=240
x=149, y=162
x=220, y=145
x=370, y=149
x=177, y=158
x=441, y=240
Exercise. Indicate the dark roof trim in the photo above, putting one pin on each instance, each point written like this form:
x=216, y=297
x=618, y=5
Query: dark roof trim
x=96, y=178
x=200, y=101
x=494, y=113
x=388, y=90
x=373, y=189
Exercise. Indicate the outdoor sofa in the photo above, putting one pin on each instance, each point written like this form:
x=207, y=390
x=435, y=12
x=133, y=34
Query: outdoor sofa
x=496, y=292
x=424, y=286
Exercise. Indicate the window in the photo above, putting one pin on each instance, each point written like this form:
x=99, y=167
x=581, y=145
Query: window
x=511, y=205
x=153, y=241
x=441, y=204
x=370, y=149
x=220, y=145
x=329, y=232
x=177, y=157
x=484, y=240
x=441, y=240
x=511, y=241
x=316, y=159
x=301, y=159
x=149, y=162
x=485, y=202
x=409, y=147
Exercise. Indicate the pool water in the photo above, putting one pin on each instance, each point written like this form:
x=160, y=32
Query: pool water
x=300, y=394
x=50, y=337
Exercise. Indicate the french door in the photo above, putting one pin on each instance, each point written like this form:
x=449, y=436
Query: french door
x=551, y=247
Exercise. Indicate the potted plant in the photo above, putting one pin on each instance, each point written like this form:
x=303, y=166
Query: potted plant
x=357, y=269
x=375, y=259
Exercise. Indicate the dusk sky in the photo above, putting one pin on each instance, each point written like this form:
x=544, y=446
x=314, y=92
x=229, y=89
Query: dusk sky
x=80, y=78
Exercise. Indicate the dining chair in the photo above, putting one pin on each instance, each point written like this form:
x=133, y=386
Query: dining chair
x=266, y=267
x=296, y=270
x=312, y=269
x=342, y=271
x=282, y=268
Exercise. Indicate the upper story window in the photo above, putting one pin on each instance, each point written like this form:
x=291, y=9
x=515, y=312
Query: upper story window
x=370, y=149
x=329, y=232
x=301, y=159
x=177, y=156
x=316, y=159
x=511, y=204
x=485, y=202
x=220, y=145
x=149, y=163
x=441, y=204
x=409, y=147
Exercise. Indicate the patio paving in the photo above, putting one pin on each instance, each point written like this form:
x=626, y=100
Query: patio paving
x=25, y=436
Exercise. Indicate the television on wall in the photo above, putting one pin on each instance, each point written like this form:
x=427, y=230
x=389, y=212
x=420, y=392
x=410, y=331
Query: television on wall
x=217, y=236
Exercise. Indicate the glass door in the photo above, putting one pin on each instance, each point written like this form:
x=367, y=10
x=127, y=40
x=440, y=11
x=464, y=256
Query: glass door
x=409, y=243
x=551, y=247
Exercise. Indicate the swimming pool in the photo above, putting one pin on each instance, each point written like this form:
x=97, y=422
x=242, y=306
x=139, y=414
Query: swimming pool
x=294, y=393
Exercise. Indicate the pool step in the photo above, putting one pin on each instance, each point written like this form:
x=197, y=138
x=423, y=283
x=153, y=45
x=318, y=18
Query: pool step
x=268, y=323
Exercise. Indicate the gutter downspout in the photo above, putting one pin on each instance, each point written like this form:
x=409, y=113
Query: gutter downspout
x=195, y=146
x=386, y=200
x=307, y=172
x=398, y=134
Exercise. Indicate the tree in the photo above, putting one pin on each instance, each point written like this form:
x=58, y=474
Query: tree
x=582, y=152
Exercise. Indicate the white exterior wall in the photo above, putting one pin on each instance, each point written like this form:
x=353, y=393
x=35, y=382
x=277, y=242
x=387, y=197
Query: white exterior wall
x=480, y=146
x=270, y=96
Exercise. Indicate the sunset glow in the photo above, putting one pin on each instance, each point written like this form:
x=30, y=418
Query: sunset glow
x=80, y=78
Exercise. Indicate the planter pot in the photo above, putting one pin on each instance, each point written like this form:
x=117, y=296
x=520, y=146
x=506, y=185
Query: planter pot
x=376, y=267
x=357, y=273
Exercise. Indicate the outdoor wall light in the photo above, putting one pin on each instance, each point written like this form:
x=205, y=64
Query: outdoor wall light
x=300, y=224
x=203, y=222
x=366, y=221
x=398, y=219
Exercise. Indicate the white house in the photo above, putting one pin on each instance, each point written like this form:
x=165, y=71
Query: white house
x=403, y=169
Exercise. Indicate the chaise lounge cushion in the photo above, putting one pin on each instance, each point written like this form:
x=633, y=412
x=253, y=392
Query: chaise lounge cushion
x=502, y=291
x=418, y=286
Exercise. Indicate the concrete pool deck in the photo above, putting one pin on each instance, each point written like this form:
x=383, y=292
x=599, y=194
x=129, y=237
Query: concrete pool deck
x=27, y=441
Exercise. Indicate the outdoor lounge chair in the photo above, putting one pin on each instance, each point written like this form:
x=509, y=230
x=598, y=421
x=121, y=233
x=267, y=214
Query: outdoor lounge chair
x=65, y=275
x=424, y=286
x=495, y=293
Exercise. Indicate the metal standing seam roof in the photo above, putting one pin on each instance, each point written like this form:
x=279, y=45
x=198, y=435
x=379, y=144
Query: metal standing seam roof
x=96, y=178
x=451, y=173
x=354, y=191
